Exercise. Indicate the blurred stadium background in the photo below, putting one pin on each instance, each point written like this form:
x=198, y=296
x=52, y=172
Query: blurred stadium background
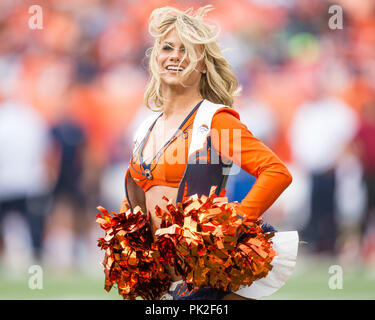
x=71, y=95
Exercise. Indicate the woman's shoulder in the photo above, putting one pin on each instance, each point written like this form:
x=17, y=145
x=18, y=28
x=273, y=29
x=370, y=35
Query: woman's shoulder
x=226, y=117
x=226, y=112
x=220, y=111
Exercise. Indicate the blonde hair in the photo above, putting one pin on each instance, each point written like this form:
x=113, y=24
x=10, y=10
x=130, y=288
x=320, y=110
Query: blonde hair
x=218, y=84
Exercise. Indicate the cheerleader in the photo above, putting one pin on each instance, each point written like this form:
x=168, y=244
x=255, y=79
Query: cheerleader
x=194, y=136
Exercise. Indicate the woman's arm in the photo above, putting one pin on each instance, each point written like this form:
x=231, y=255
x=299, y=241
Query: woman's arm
x=233, y=140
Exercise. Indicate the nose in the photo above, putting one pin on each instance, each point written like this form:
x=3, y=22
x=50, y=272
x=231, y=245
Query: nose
x=175, y=55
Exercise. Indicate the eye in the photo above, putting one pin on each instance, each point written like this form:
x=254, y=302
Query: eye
x=167, y=48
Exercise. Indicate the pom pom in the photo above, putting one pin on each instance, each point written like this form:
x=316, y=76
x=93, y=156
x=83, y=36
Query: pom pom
x=131, y=258
x=210, y=245
x=205, y=239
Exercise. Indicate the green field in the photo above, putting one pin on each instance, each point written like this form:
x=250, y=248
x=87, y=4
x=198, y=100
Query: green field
x=309, y=281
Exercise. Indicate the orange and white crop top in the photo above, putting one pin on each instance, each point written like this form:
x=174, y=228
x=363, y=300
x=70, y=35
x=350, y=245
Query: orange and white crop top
x=168, y=166
x=165, y=168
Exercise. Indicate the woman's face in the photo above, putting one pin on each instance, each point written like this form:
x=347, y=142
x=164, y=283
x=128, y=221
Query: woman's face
x=169, y=58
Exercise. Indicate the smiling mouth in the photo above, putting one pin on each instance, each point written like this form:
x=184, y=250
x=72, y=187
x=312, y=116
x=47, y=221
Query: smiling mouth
x=174, y=69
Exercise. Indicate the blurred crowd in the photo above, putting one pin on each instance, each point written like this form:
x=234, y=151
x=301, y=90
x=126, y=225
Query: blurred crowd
x=71, y=95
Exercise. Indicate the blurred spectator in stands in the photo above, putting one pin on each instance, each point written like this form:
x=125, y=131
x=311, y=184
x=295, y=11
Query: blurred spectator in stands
x=322, y=128
x=24, y=171
x=365, y=146
x=69, y=197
